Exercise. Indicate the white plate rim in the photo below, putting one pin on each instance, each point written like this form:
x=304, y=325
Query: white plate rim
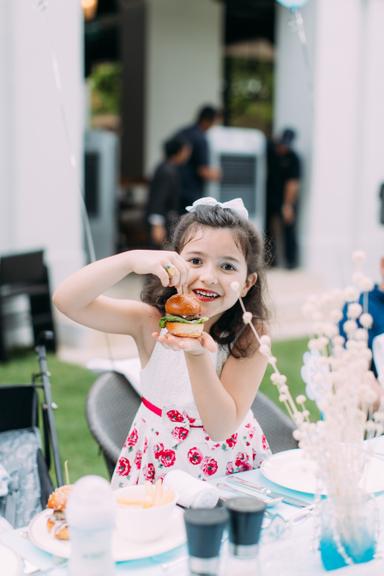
x=18, y=562
x=269, y=465
x=62, y=548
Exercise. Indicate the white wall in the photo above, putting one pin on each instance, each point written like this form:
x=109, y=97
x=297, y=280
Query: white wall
x=42, y=204
x=5, y=123
x=340, y=139
x=370, y=234
x=183, y=66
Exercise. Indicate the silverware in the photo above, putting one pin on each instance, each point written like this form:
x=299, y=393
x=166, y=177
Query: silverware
x=273, y=494
x=268, y=500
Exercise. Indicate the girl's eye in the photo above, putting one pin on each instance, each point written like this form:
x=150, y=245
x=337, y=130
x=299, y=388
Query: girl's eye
x=195, y=261
x=228, y=267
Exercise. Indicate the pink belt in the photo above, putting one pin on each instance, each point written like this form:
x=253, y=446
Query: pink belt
x=158, y=411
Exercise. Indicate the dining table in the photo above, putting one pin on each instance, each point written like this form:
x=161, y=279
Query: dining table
x=288, y=544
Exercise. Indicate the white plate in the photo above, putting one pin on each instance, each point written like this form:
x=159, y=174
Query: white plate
x=291, y=470
x=122, y=549
x=10, y=562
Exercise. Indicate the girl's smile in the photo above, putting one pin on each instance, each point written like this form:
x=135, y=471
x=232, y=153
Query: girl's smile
x=205, y=295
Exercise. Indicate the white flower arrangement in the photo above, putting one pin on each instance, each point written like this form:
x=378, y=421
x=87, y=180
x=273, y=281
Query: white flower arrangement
x=337, y=374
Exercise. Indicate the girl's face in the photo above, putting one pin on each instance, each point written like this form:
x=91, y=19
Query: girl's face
x=215, y=262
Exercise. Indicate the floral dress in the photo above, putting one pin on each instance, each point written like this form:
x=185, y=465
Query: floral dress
x=167, y=432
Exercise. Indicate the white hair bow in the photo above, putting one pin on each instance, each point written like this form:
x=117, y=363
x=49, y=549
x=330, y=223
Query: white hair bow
x=236, y=204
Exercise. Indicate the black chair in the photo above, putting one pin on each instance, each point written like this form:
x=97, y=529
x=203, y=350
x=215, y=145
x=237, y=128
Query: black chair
x=26, y=274
x=277, y=427
x=111, y=406
x=26, y=445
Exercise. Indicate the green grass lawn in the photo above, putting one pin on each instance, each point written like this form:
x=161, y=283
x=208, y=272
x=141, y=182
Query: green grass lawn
x=70, y=385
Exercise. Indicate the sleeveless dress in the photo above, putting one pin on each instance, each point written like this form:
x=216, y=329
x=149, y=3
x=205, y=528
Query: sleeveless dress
x=167, y=432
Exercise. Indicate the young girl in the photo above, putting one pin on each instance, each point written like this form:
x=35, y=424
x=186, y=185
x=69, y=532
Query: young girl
x=195, y=413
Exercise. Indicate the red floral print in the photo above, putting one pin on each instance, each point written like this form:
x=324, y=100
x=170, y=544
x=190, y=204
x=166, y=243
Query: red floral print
x=158, y=450
x=149, y=472
x=132, y=438
x=241, y=459
x=209, y=466
x=138, y=458
x=232, y=440
x=123, y=466
x=195, y=456
x=156, y=446
x=175, y=416
x=242, y=462
x=167, y=458
x=180, y=432
x=244, y=467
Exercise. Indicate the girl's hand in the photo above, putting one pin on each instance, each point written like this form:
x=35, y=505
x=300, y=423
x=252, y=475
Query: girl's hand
x=193, y=346
x=169, y=267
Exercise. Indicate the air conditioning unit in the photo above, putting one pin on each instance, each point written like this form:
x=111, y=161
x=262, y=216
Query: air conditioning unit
x=101, y=189
x=240, y=153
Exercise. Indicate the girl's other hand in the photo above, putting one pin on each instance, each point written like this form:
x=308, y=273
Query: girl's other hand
x=193, y=346
x=169, y=267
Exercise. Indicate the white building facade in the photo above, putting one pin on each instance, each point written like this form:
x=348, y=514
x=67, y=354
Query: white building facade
x=340, y=123
x=336, y=104
x=40, y=204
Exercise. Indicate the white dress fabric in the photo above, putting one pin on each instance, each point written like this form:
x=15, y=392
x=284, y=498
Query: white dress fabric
x=176, y=439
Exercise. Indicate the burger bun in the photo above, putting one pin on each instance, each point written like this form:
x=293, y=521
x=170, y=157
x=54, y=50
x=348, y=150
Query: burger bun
x=183, y=305
x=185, y=330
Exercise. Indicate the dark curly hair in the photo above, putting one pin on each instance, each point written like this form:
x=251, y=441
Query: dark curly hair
x=229, y=329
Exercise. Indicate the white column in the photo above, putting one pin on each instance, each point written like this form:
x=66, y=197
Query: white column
x=6, y=195
x=42, y=202
x=336, y=146
x=369, y=231
x=184, y=56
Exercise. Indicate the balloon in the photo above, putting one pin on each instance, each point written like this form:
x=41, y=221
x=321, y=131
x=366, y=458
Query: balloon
x=292, y=4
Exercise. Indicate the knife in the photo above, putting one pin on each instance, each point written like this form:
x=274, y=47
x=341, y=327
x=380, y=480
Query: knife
x=266, y=492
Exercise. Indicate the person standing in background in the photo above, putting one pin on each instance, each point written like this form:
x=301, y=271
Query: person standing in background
x=164, y=199
x=283, y=185
x=197, y=171
x=374, y=302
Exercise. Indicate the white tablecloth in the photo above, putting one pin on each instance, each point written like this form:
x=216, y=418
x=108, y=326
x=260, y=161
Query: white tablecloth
x=295, y=554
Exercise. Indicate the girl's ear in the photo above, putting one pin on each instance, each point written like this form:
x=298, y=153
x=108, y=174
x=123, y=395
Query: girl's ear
x=250, y=281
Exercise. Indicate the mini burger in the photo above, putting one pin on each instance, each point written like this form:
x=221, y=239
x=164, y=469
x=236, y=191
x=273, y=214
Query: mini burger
x=57, y=502
x=183, y=316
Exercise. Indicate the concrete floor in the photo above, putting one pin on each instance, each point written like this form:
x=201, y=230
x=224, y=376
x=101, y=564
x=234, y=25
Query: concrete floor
x=288, y=291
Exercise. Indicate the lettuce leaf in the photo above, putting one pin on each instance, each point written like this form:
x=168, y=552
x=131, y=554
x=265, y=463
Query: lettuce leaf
x=170, y=318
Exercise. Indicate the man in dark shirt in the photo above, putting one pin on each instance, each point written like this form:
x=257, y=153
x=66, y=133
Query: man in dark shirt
x=283, y=183
x=164, y=200
x=197, y=171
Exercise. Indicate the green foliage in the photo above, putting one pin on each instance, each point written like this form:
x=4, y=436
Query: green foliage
x=105, y=83
x=250, y=93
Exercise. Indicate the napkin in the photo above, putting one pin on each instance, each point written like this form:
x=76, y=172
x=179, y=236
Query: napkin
x=191, y=492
